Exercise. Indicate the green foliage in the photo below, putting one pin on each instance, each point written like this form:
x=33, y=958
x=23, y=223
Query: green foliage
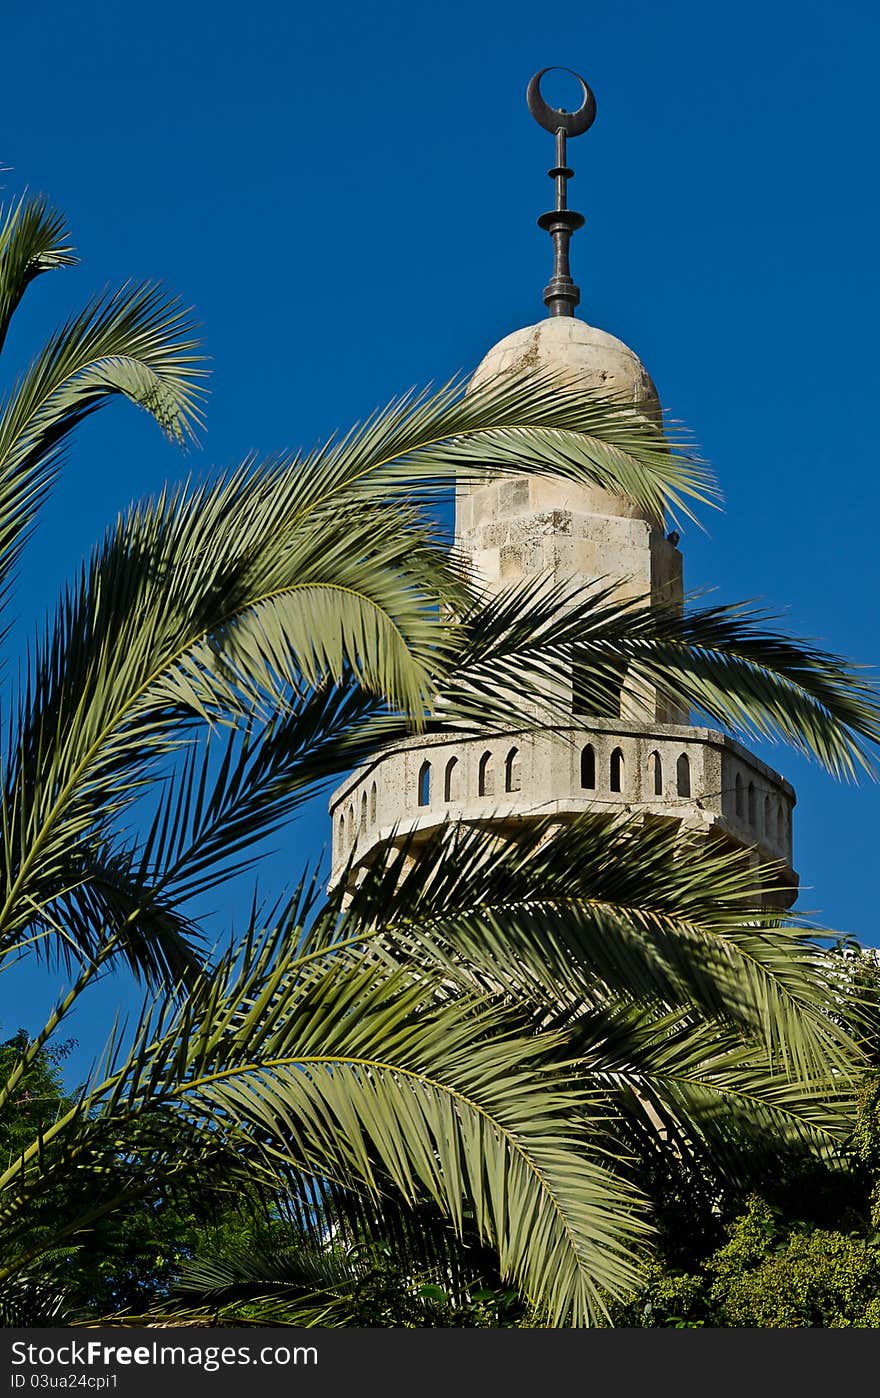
x=127, y=1259
x=771, y=1276
x=278, y=1277
x=807, y=1256
x=388, y=1297
x=39, y=1098
x=866, y=1142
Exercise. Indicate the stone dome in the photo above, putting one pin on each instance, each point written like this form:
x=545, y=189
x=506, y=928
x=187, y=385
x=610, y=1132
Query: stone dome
x=579, y=352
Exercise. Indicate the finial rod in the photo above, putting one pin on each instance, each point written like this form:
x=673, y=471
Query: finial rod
x=561, y=295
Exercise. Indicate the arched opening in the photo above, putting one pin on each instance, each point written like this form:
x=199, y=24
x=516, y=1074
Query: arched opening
x=683, y=775
x=655, y=772
x=364, y=813
x=769, y=821
x=425, y=784
x=373, y=803
x=740, y=799
x=342, y=831
x=352, y=828
x=753, y=809
x=450, y=780
x=615, y=770
x=486, y=776
x=588, y=768
x=511, y=770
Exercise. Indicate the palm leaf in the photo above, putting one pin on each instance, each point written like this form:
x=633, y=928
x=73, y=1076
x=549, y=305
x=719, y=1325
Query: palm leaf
x=706, y=1093
x=284, y=1278
x=33, y=239
x=517, y=424
x=725, y=661
x=335, y=1067
x=135, y=342
x=605, y=907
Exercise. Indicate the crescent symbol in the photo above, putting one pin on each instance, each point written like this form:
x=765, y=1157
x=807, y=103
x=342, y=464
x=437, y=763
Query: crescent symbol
x=551, y=118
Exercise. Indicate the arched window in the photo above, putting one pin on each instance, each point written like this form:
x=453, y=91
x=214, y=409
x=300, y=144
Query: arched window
x=425, y=784
x=683, y=775
x=342, y=831
x=364, y=814
x=769, y=822
x=352, y=828
x=450, y=780
x=486, y=779
x=740, y=802
x=588, y=768
x=753, y=811
x=373, y=803
x=511, y=770
x=615, y=770
x=655, y=772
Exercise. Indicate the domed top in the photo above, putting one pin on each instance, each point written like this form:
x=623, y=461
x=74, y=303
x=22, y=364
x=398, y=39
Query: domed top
x=577, y=352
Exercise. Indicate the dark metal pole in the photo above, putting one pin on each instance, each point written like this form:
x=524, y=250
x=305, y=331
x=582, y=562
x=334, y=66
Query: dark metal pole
x=561, y=295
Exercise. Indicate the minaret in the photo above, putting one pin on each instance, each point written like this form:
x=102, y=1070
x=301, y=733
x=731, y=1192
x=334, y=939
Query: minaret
x=638, y=755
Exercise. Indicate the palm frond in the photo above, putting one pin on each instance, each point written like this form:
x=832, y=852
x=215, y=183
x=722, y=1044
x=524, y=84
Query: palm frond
x=135, y=342
x=727, y=662
x=339, y=1068
x=704, y=1091
x=602, y=907
x=33, y=239
x=282, y=1277
x=530, y=424
x=296, y=1285
x=212, y=809
x=34, y=1299
x=115, y=690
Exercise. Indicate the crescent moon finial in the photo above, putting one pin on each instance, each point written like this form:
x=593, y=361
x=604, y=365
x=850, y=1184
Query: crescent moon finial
x=554, y=119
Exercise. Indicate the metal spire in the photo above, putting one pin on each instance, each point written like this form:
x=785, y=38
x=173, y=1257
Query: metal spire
x=561, y=295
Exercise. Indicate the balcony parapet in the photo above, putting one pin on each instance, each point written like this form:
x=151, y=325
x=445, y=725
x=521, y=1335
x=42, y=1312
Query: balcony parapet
x=694, y=775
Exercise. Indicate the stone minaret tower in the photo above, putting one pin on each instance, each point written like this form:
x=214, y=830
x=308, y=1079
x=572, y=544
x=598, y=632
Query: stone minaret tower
x=637, y=755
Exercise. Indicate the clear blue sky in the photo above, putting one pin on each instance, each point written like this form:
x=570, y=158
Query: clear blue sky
x=347, y=194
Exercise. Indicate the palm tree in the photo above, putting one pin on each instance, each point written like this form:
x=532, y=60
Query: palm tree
x=231, y=648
